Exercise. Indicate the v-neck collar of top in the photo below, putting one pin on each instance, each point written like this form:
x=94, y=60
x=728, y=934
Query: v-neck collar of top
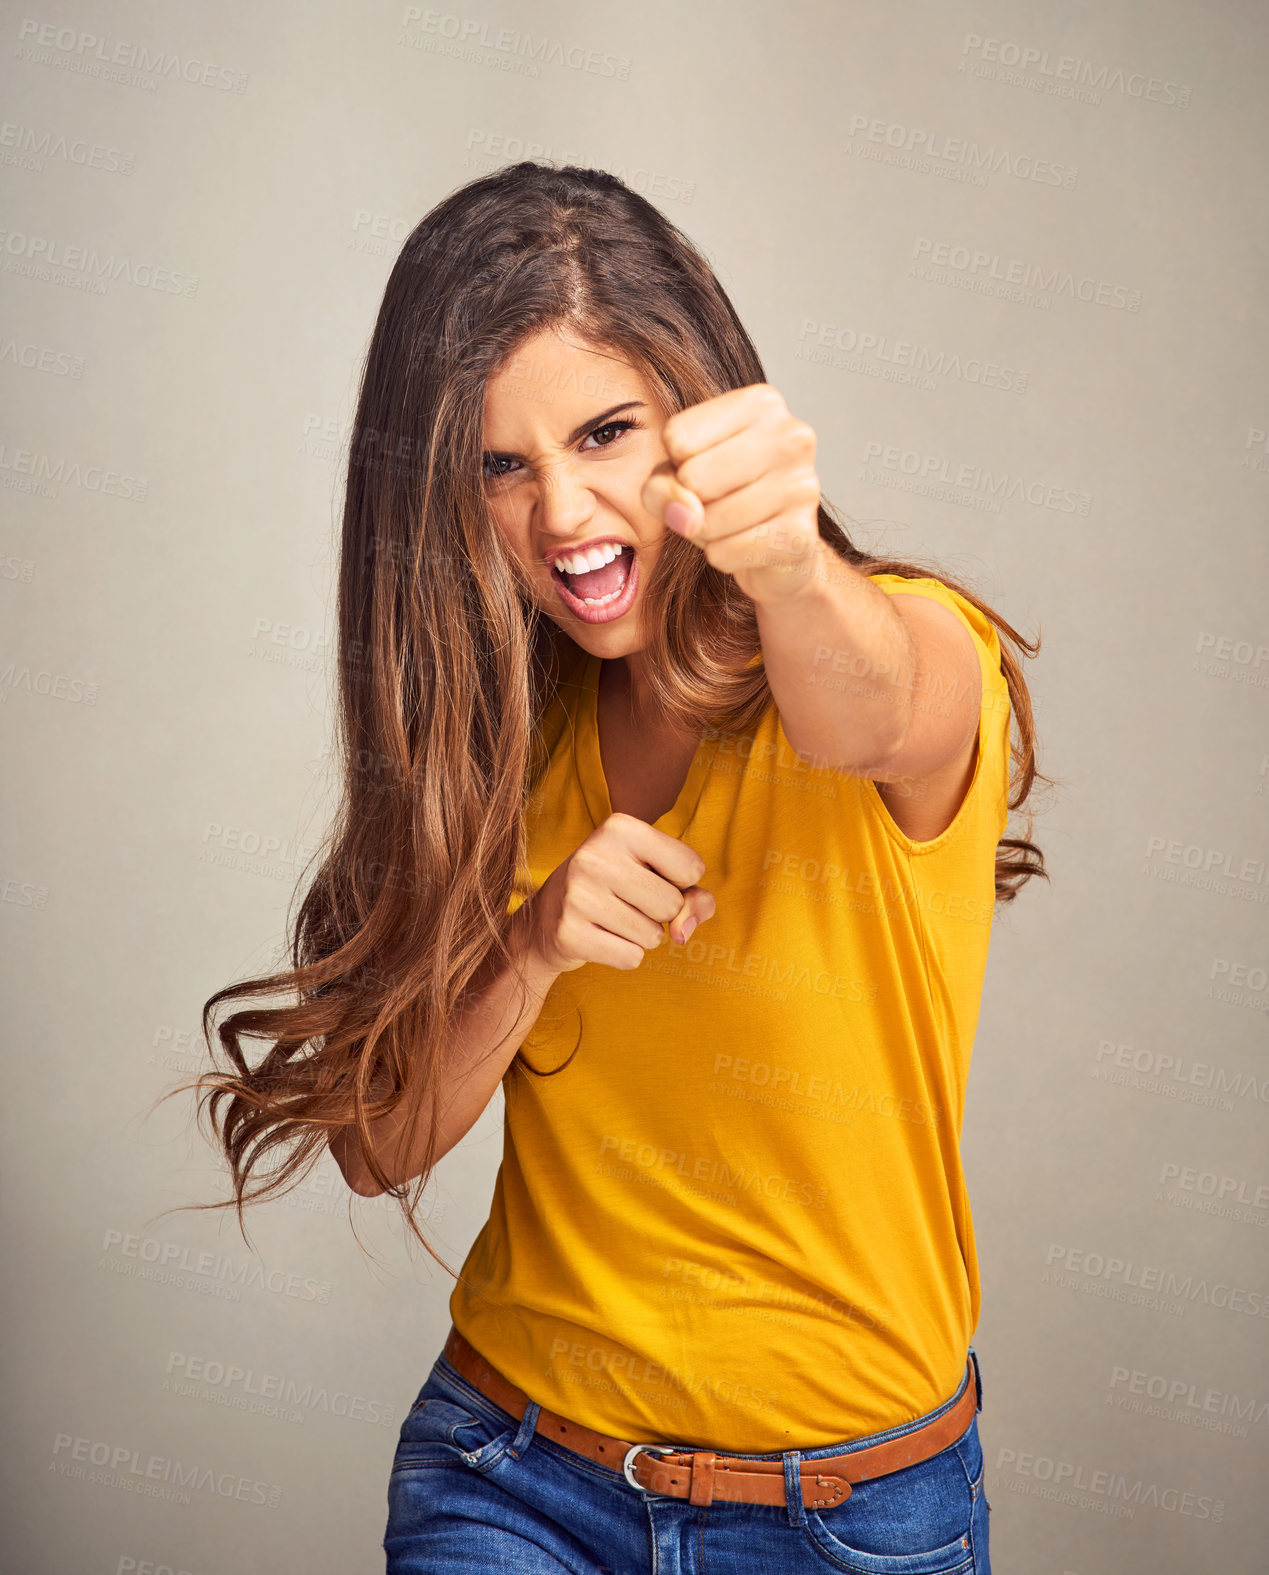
x=590, y=767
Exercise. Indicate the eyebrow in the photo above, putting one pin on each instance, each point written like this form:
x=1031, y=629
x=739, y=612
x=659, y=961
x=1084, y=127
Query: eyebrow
x=581, y=430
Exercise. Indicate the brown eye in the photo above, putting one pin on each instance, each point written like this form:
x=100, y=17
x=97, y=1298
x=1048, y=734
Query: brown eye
x=615, y=427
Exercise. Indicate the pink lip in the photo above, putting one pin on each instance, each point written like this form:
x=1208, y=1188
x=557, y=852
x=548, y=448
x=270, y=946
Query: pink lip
x=614, y=609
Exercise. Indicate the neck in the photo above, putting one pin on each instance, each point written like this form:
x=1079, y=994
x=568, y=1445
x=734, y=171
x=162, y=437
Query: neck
x=627, y=682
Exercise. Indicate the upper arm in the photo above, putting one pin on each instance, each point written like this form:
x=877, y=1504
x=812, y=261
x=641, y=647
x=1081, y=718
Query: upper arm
x=946, y=692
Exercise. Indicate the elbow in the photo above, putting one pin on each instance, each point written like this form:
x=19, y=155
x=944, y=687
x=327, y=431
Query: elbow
x=848, y=755
x=887, y=748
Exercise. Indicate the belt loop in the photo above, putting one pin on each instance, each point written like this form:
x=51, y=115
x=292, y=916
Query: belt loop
x=793, y=1487
x=702, y=1488
x=527, y=1428
x=978, y=1377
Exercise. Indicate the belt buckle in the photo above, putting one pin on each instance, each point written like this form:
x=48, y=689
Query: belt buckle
x=668, y=1449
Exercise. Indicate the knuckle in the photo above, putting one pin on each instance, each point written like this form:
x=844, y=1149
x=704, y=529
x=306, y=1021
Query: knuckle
x=578, y=880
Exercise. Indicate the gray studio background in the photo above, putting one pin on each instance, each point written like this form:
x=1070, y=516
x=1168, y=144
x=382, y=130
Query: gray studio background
x=1009, y=261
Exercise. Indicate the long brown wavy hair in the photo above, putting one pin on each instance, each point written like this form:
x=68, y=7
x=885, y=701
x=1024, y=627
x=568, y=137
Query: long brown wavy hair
x=445, y=664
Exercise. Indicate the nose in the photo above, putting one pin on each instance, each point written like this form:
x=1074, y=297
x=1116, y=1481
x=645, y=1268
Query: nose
x=564, y=502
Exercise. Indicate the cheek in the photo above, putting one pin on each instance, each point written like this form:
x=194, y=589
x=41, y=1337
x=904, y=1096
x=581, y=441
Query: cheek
x=623, y=488
x=511, y=523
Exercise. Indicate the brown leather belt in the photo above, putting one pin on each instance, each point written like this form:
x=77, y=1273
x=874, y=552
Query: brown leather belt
x=702, y=1475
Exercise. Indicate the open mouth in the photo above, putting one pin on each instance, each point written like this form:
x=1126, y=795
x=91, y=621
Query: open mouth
x=602, y=593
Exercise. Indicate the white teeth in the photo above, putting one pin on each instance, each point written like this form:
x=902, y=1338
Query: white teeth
x=583, y=563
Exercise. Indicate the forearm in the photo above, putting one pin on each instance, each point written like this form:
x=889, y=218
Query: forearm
x=501, y=1011
x=839, y=661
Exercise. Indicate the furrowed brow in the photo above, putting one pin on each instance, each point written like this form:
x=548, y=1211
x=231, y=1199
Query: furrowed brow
x=579, y=431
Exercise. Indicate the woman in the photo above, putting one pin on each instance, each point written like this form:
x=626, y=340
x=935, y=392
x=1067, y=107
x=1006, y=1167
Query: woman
x=609, y=670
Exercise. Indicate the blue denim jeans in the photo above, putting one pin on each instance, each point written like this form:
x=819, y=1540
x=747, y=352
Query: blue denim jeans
x=473, y=1490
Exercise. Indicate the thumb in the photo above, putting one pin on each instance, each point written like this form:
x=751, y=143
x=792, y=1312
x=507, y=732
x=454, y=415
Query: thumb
x=683, y=513
x=663, y=488
x=698, y=905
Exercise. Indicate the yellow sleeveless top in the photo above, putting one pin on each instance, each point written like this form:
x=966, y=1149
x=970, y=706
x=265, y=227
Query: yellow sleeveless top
x=737, y=1219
